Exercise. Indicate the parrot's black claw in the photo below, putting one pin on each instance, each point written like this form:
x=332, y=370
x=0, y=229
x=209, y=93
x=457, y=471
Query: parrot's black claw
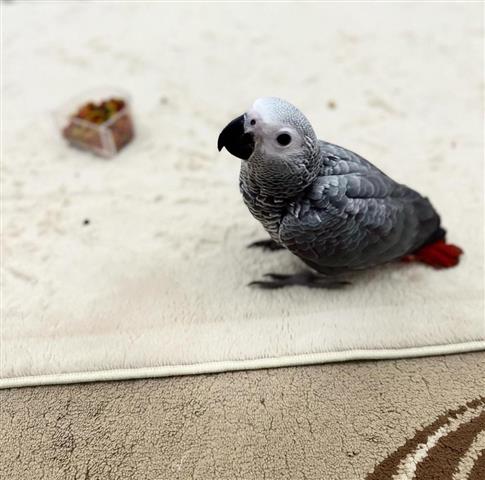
x=277, y=276
x=266, y=245
x=266, y=285
x=306, y=279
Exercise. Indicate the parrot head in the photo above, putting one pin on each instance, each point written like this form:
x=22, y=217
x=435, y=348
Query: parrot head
x=276, y=142
x=272, y=127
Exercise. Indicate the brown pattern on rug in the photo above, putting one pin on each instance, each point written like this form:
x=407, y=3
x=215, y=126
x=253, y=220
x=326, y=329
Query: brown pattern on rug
x=435, y=451
x=443, y=459
x=478, y=471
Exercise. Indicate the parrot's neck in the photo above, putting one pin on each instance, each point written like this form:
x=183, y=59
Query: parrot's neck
x=268, y=192
x=265, y=208
x=263, y=178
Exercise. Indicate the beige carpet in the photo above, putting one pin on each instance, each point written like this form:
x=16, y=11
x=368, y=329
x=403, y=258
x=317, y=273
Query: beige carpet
x=155, y=284
x=347, y=421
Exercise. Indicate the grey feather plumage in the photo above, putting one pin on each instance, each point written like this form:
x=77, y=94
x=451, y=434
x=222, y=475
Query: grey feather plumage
x=327, y=205
x=353, y=216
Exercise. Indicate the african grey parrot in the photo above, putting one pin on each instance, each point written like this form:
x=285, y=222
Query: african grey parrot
x=327, y=205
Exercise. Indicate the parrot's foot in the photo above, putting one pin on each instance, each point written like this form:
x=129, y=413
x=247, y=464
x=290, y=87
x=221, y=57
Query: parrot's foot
x=266, y=245
x=305, y=279
x=438, y=254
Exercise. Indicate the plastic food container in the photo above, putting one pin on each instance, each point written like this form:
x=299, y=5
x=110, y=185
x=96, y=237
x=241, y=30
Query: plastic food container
x=99, y=121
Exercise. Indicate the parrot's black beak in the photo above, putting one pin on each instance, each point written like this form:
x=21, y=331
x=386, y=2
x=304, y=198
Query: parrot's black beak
x=238, y=143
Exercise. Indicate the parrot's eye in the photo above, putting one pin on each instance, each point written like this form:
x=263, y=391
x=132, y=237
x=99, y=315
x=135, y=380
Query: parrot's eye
x=253, y=122
x=283, y=139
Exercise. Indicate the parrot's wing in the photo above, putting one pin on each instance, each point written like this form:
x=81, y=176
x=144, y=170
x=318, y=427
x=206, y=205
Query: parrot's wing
x=354, y=216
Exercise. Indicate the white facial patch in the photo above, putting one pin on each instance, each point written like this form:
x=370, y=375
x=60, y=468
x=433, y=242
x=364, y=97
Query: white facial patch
x=278, y=113
x=267, y=108
x=273, y=135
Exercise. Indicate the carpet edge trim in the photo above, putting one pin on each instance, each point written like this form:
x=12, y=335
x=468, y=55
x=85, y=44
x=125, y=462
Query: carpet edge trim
x=234, y=365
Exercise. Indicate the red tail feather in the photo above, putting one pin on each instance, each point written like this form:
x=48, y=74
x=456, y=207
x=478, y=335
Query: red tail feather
x=438, y=254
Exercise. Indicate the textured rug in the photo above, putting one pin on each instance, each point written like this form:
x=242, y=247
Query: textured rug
x=138, y=266
x=414, y=419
